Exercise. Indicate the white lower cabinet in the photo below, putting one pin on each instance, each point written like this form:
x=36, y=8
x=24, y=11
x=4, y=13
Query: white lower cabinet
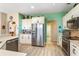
x=74, y=50
x=59, y=40
x=25, y=38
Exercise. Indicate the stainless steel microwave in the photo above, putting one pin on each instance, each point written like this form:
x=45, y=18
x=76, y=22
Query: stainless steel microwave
x=73, y=23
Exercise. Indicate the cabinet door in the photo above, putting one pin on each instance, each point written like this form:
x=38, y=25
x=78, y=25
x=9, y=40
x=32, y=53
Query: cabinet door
x=25, y=39
x=26, y=23
x=65, y=19
x=38, y=19
x=72, y=13
x=74, y=50
x=41, y=20
x=22, y=39
x=34, y=20
x=64, y=22
x=75, y=11
x=28, y=39
x=60, y=41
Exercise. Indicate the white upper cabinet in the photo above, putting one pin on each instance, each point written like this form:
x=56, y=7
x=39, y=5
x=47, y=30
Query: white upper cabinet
x=65, y=19
x=26, y=23
x=34, y=20
x=37, y=19
x=72, y=13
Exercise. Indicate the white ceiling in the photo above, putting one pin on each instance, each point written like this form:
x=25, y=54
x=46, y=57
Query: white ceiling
x=25, y=8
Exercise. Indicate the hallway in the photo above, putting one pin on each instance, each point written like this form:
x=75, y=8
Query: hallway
x=48, y=50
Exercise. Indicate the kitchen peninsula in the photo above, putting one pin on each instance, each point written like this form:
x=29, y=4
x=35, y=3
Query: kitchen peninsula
x=3, y=47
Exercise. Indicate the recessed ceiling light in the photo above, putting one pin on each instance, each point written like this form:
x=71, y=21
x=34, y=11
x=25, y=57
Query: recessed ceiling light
x=32, y=7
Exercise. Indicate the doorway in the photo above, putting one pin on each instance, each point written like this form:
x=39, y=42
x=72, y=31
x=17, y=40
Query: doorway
x=51, y=32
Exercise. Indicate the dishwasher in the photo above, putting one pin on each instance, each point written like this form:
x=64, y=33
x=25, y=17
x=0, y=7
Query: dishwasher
x=12, y=44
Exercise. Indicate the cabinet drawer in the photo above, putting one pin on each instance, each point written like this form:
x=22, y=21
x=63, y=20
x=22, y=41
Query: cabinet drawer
x=25, y=39
x=74, y=50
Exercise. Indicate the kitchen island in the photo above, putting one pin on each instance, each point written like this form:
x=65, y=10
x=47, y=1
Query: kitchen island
x=3, y=39
x=4, y=52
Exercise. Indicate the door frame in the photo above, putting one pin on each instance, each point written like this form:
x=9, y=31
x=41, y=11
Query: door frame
x=56, y=26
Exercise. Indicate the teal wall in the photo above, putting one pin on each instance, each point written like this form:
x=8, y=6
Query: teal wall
x=20, y=22
x=53, y=16
x=58, y=17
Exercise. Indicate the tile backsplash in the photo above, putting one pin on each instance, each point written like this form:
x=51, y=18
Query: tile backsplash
x=74, y=33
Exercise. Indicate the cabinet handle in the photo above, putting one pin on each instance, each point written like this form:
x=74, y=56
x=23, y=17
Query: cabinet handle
x=74, y=51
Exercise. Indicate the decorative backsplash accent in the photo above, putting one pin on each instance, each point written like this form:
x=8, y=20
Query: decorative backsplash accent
x=75, y=33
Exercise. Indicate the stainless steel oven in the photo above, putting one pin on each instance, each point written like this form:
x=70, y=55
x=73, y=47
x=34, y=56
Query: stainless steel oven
x=66, y=46
x=66, y=41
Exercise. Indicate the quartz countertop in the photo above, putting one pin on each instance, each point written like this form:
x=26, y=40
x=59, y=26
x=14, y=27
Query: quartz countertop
x=75, y=42
x=11, y=53
x=3, y=39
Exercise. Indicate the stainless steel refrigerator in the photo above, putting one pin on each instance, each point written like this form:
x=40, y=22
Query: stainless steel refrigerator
x=38, y=34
